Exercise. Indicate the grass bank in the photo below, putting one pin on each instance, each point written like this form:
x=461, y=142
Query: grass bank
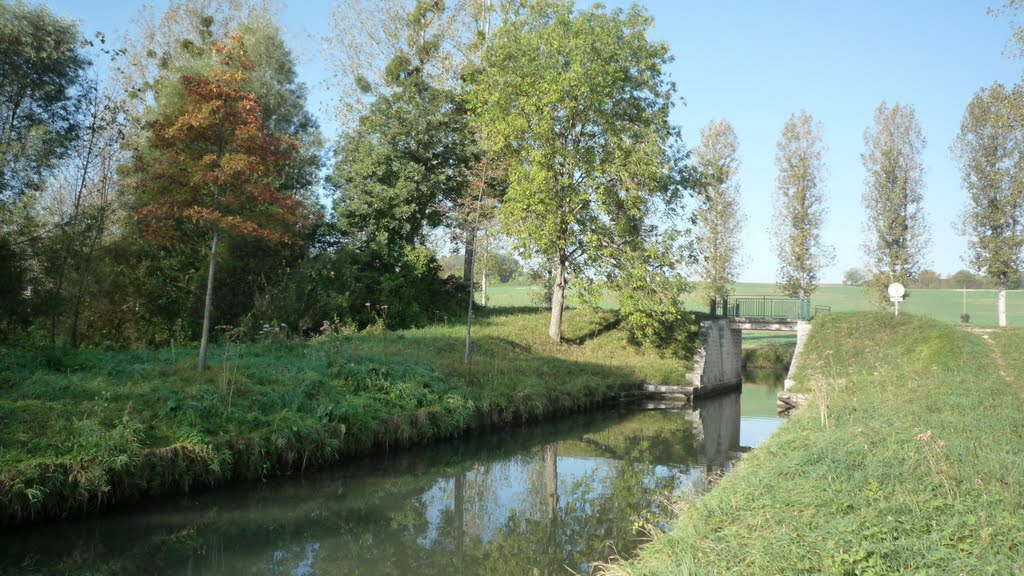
x=80, y=429
x=907, y=460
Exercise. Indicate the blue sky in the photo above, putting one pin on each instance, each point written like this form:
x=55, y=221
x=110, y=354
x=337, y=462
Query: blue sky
x=754, y=62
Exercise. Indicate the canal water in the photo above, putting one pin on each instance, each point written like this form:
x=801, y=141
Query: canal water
x=543, y=499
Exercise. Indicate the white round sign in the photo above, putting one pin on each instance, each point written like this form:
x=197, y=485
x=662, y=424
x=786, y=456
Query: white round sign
x=896, y=291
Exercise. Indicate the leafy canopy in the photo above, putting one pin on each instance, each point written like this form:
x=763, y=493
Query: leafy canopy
x=41, y=71
x=800, y=206
x=990, y=151
x=896, y=225
x=209, y=159
x=576, y=104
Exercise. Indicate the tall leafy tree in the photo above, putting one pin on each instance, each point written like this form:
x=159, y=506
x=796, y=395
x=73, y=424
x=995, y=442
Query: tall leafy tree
x=577, y=103
x=42, y=75
x=42, y=70
x=897, y=232
x=398, y=172
x=800, y=206
x=719, y=216
x=990, y=151
x=210, y=163
x=166, y=37
x=405, y=163
x=447, y=40
x=80, y=205
x=180, y=37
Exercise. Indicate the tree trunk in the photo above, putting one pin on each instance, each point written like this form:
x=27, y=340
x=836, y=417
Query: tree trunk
x=204, y=343
x=483, y=288
x=1002, y=308
x=557, y=302
x=467, y=262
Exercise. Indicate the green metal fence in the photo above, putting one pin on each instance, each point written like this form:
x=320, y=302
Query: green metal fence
x=773, y=307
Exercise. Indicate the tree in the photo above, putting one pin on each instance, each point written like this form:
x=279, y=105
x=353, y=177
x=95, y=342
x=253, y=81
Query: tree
x=577, y=104
x=800, y=206
x=177, y=38
x=928, y=278
x=42, y=71
x=210, y=163
x=167, y=38
x=369, y=35
x=854, y=277
x=897, y=233
x=79, y=204
x=399, y=171
x=445, y=41
x=990, y=151
x=718, y=212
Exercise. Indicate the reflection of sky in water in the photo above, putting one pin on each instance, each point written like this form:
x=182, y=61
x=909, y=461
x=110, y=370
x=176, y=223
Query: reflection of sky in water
x=754, y=431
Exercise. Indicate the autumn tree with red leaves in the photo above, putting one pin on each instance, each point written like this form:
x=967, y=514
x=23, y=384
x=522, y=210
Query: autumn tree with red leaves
x=209, y=164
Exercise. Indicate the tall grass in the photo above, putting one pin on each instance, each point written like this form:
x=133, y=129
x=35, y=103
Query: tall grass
x=907, y=461
x=80, y=429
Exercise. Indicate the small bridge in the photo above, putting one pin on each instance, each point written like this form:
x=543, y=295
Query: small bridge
x=766, y=312
x=718, y=362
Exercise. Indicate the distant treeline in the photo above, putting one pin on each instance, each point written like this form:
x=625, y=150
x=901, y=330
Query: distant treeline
x=928, y=278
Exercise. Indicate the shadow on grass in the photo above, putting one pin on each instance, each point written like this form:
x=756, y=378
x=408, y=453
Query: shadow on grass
x=601, y=330
x=502, y=311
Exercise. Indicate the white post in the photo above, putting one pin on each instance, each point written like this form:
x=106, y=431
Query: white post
x=1002, y=308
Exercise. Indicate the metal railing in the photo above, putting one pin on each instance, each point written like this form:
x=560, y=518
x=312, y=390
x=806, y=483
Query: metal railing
x=774, y=307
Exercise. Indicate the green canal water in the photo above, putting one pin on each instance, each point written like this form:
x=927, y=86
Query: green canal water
x=545, y=499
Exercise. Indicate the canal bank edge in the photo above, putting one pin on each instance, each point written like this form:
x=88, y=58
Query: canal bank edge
x=141, y=424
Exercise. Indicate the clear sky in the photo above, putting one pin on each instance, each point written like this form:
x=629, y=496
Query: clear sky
x=754, y=62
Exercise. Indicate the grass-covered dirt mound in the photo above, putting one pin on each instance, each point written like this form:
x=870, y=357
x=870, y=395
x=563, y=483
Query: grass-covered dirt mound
x=908, y=459
x=82, y=428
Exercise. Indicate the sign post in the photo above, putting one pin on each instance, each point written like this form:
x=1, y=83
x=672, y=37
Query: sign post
x=896, y=292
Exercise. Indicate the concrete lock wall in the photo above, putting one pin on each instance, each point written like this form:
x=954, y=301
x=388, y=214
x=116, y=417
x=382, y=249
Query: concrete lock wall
x=718, y=365
x=803, y=329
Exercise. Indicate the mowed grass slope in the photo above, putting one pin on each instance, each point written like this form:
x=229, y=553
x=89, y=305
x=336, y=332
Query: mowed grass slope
x=944, y=305
x=82, y=428
x=907, y=460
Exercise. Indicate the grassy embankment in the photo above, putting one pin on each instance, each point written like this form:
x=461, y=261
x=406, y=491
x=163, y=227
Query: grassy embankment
x=80, y=429
x=908, y=459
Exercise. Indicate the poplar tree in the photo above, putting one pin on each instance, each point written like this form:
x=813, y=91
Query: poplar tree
x=800, y=206
x=990, y=151
x=718, y=213
x=897, y=233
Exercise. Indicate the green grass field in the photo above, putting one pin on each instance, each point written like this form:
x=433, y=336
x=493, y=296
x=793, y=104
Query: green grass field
x=945, y=305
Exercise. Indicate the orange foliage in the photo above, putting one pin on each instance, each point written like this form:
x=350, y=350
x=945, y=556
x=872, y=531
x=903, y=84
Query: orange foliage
x=214, y=164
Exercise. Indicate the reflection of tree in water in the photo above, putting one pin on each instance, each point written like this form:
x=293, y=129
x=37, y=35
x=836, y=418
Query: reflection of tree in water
x=571, y=499
x=596, y=516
